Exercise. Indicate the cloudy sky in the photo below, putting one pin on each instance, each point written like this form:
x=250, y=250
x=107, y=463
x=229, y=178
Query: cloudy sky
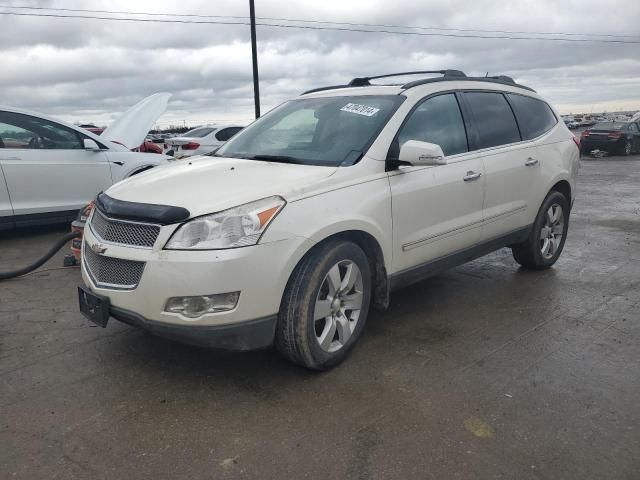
x=87, y=70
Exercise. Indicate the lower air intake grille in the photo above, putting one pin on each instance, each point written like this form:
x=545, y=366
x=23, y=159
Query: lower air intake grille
x=110, y=272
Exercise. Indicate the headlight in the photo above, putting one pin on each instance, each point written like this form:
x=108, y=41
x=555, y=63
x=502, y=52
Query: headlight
x=237, y=227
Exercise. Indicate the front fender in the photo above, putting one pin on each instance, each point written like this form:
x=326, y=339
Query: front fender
x=363, y=207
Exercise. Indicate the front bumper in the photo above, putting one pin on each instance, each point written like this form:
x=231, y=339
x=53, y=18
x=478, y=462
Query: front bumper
x=243, y=336
x=260, y=273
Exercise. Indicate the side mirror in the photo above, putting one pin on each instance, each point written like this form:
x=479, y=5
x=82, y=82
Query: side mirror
x=419, y=153
x=90, y=144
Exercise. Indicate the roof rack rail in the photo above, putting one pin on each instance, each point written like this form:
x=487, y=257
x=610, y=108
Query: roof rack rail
x=364, y=81
x=501, y=79
x=447, y=75
x=322, y=89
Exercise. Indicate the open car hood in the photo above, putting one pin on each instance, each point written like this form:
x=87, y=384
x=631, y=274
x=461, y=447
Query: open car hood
x=132, y=126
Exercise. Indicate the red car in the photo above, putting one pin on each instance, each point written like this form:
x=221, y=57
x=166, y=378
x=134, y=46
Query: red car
x=148, y=147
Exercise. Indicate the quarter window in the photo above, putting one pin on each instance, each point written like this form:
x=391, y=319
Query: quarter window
x=437, y=120
x=534, y=116
x=494, y=119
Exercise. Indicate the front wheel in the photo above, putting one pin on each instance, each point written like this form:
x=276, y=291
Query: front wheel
x=325, y=306
x=548, y=234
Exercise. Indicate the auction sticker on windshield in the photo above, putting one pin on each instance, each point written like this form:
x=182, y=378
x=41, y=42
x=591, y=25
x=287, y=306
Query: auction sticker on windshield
x=360, y=109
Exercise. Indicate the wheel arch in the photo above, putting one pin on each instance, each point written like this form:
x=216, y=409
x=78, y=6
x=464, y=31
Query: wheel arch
x=564, y=187
x=373, y=250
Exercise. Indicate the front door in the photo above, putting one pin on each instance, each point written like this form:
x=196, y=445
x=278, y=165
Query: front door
x=437, y=210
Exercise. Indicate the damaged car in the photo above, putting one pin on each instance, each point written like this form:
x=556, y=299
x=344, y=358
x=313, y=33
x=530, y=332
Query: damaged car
x=49, y=168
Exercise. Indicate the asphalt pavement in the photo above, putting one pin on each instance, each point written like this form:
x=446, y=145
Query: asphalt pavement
x=486, y=371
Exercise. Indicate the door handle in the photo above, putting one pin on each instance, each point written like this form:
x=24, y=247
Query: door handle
x=531, y=162
x=471, y=175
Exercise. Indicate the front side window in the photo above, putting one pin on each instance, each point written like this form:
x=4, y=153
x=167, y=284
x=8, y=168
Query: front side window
x=494, y=119
x=24, y=131
x=436, y=120
x=317, y=131
x=534, y=116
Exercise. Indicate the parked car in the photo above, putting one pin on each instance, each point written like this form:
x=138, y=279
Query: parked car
x=200, y=140
x=49, y=169
x=621, y=138
x=325, y=205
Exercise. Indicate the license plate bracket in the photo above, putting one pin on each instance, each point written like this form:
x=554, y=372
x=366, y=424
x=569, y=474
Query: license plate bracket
x=93, y=306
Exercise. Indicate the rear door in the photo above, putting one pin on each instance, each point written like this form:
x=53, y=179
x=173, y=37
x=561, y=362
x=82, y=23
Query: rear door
x=6, y=211
x=437, y=210
x=46, y=167
x=508, y=162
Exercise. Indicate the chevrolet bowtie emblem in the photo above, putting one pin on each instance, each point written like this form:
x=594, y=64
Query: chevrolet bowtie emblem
x=97, y=248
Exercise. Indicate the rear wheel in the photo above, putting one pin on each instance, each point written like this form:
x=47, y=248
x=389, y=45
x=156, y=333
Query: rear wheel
x=325, y=306
x=548, y=234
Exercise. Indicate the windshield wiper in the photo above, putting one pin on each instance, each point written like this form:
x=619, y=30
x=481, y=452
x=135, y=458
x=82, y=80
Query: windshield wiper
x=275, y=158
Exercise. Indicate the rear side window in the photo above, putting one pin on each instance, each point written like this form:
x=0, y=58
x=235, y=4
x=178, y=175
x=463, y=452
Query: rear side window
x=436, y=120
x=534, y=116
x=494, y=119
x=226, y=133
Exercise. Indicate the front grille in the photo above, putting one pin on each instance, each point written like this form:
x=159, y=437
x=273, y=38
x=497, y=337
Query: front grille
x=124, y=232
x=110, y=272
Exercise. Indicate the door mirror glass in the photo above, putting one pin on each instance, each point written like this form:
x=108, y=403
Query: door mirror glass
x=419, y=153
x=90, y=144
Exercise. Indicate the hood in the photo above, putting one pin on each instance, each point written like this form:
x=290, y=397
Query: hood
x=131, y=128
x=205, y=185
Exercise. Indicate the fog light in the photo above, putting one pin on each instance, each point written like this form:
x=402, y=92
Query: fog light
x=193, y=307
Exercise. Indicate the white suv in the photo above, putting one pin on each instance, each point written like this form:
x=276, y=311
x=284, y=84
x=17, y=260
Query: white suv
x=325, y=205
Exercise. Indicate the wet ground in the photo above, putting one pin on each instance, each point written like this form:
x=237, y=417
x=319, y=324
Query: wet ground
x=484, y=372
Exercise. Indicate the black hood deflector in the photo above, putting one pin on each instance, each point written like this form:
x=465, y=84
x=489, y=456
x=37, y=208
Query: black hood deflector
x=140, y=212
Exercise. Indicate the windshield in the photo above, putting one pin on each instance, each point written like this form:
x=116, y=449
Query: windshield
x=199, y=132
x=316, y=131
x=608, y=126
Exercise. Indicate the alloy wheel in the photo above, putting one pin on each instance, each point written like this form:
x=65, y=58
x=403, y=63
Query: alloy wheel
x=338, y=306
x=552, y=231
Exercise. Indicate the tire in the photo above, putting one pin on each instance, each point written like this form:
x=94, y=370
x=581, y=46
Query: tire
x=627, y=148
x=303, y=335
x=548, y=234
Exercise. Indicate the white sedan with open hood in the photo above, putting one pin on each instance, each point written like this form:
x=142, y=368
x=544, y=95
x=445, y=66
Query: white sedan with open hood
x=49, y=168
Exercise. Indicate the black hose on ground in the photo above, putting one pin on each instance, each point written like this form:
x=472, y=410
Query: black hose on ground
x=30, y=268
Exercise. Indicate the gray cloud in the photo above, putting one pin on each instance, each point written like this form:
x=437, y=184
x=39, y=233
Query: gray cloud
x=89, y=70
